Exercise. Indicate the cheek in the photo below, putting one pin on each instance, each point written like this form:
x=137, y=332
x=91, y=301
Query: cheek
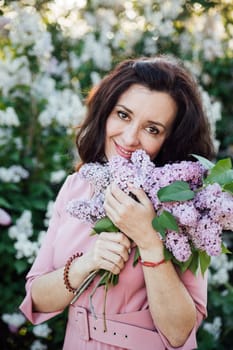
x=110, y=127
x=154, y=147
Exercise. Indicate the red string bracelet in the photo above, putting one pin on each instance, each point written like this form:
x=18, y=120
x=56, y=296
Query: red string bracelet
x=66, y=272
x=150, y=263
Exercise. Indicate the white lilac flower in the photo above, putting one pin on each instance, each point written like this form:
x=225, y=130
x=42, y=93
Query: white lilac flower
x=43, y=86
x=57, y=176
x=8, y=117
x=213, y=111
x=26, y=249
x=28, y=30
x=21, y=233
x=18, y=143
x=23, y=226
x=14, y=173
x=95, y=78
x=37, y=345
x=16, y=319
x=48, y=213
x=14, y=72
x=150, y=45
x=5, y=136
x=40, y=238
x=64, y=107
x=97, y=51
x=219, y=272
x=42, y=330
x=214, y=328
x=171, y=9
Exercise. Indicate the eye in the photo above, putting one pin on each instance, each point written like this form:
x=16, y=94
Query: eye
x=123, y=115
x=153, y=130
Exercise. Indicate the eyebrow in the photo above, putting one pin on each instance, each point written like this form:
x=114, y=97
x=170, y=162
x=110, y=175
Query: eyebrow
x=150, y=121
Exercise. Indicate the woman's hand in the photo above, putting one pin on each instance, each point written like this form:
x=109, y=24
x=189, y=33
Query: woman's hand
x=132, y=217
x=110, y=252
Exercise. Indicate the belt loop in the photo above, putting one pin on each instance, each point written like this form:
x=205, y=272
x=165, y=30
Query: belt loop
x=81, y=317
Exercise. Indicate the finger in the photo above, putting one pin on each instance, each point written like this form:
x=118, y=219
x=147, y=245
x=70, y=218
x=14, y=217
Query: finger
x=115, y=269
x=120, y=246
x=119, y=195
x=117, y=237
x=109, y=260
x=140, y=195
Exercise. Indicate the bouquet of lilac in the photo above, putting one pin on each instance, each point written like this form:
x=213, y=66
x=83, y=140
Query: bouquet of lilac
x=193, y=202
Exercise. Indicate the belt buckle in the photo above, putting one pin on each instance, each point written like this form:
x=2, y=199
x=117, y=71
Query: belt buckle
x=82, y=323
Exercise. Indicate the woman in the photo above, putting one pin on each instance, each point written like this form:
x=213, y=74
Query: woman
x=149, y=104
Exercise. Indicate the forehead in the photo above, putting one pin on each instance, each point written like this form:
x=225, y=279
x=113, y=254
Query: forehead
x=151, y=104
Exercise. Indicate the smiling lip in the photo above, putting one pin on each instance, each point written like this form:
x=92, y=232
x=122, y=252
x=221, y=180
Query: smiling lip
x=123, y=152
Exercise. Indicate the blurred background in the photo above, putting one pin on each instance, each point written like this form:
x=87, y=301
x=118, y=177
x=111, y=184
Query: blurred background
x=51, y=53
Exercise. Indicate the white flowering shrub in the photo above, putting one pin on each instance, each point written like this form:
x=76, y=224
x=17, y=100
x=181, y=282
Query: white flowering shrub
x=51, y=53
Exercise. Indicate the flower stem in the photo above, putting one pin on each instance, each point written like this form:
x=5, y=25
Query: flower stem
x=94, y=290
x=109, y=279
x=84, y=286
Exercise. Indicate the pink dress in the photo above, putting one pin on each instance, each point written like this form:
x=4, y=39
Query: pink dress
x=126, y=302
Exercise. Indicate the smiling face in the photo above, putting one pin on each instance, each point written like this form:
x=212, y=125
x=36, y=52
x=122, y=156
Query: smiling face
x=141, y=119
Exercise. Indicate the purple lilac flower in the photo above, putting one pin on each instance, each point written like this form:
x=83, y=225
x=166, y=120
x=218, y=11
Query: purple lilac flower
x=178, y=244
x=206, y=235
x=97, y=173
x=225, y=204
x=191, y=172
x=122, y=173
x=5, y=218
x=206, y=197
x=200, y=220
x=134, y=172
x=87, y=210
x=184, y=212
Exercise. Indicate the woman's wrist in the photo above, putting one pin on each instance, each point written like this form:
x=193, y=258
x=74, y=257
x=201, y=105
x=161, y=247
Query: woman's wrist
x=80, y=269
x=152, y=249
x=150, y=241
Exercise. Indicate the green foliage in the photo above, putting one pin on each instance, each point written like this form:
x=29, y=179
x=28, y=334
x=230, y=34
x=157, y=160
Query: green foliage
x=177, y=191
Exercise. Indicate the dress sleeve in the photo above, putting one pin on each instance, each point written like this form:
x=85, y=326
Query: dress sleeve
x=44, y=262
x=197, y=288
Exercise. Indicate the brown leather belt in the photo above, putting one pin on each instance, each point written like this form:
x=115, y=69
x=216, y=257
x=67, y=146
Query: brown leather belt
x=118, y=333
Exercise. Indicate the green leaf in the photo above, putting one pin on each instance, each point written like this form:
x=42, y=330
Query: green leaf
x=186, y=264
x=177, y=191
x=169, y=221
x=167, y=254
x=204, y=161
x=105, y=225
x=21, y=266
x=194, y=263
x=114, y=279
x=225, y=250
x=165, y=221
x=136, y=256
x=221, y=173
x=204, y=260
x=4, y=203
x=228, y=187
x=158, y=227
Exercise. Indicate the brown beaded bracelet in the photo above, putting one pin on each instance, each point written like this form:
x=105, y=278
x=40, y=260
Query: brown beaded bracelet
x=67, y=269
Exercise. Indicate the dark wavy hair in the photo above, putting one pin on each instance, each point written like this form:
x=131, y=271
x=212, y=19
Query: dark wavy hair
x=190, y=133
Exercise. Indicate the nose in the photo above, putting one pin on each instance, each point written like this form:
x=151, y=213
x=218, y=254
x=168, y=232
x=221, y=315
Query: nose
x=131, y=136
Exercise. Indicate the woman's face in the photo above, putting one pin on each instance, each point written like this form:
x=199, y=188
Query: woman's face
x=141, y=119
